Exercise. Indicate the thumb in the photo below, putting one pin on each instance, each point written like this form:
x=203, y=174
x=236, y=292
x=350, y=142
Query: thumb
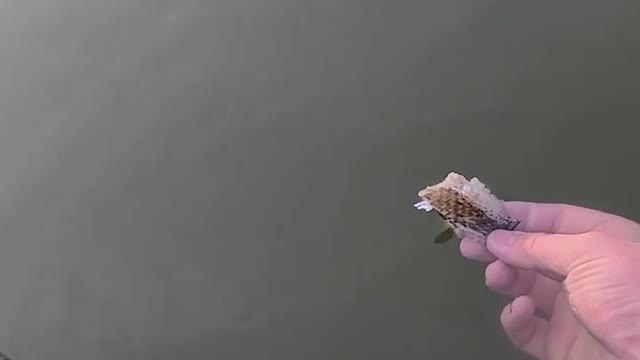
x=553, y=254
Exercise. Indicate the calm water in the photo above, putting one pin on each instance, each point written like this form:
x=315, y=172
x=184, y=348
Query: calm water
x=235, y=179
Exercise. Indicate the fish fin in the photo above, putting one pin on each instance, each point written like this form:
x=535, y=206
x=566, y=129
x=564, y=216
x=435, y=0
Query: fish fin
x=444, y=236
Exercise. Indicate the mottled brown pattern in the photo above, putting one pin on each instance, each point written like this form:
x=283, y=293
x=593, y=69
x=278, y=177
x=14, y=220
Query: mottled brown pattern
x=458, y=210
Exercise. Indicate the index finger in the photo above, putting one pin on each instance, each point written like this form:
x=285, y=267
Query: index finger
x=554, y=218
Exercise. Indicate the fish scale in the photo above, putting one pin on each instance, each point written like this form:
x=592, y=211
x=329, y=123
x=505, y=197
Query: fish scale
x=468, y=207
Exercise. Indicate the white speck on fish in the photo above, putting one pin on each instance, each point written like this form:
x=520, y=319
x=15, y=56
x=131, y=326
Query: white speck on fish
x=423, y=205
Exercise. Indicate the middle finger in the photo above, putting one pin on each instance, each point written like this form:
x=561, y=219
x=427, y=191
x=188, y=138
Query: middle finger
x=513, y=282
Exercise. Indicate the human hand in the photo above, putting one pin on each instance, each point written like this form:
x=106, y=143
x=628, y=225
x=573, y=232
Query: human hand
x=574, y=274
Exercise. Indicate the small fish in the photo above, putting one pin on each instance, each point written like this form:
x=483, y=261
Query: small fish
x=467, y=206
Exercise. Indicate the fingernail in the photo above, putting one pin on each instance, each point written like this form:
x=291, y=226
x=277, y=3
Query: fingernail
x=501, y=238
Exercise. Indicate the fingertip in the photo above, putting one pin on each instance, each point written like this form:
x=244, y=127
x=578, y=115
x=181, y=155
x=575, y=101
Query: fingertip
x=520, y=309
x=500, y=240
x=473, y=249
x=499, y=276
x=523, y=328
x=517, y=315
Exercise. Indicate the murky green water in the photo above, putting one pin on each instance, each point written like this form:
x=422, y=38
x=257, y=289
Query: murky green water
x=235, y=179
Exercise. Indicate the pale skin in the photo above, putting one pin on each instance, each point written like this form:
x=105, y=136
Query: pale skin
x=578, y=269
